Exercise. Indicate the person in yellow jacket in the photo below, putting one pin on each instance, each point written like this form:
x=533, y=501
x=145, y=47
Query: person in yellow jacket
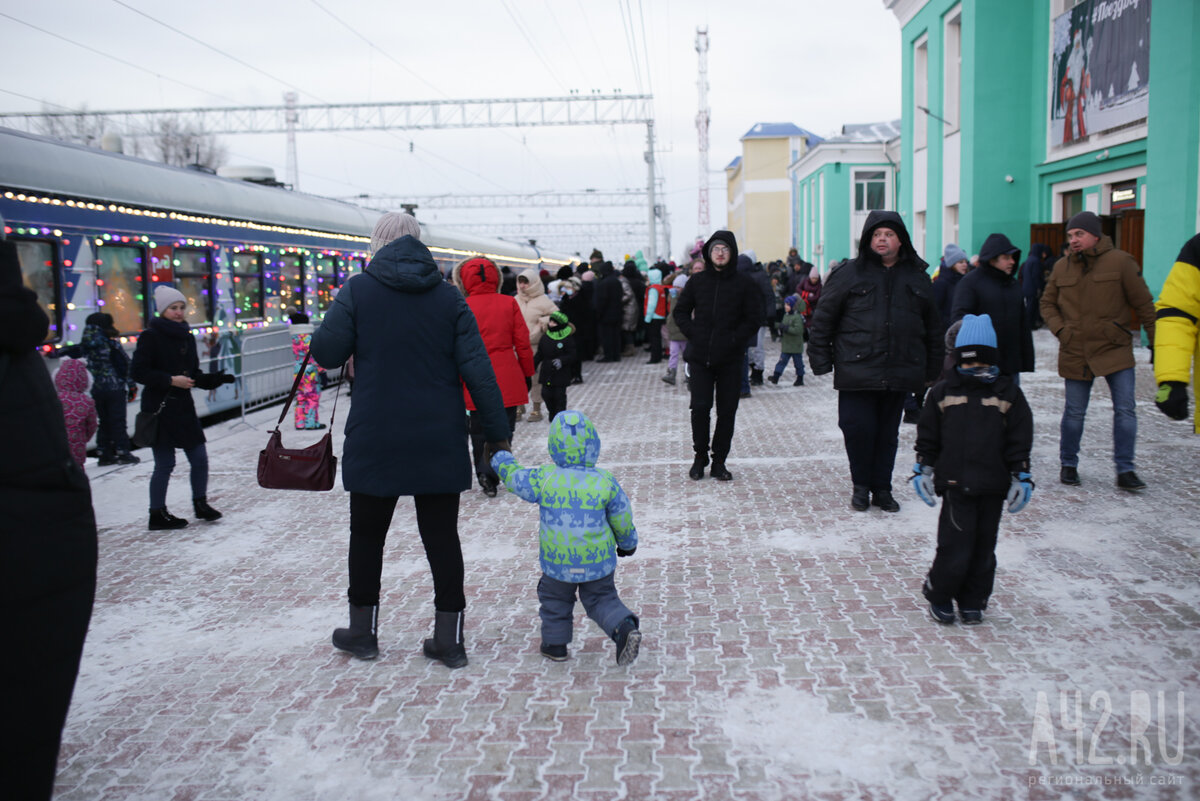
x=1177, y=343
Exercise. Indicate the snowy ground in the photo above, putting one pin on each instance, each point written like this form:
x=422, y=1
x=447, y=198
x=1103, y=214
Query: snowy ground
x=787, y=651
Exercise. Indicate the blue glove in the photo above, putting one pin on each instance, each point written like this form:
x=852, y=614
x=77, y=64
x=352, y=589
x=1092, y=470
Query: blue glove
x=922, y=482
x=1019, y=491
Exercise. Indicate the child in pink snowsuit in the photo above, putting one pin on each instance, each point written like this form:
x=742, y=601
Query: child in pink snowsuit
x=79, y=409
x=308, y=394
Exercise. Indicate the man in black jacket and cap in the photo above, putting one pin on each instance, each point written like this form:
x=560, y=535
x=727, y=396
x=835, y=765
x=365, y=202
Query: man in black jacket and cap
x=718, y=311
x=878, y=328
x=992, y=288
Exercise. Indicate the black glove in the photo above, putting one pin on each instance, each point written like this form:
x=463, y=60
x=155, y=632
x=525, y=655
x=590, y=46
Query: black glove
x=226, y=378
x=1172, y=399
x=528, y=383
x=492, y=448
x=622, y=552
x=133, y=393
x=55, y=353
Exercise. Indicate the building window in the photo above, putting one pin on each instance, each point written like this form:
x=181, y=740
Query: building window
x=920, y=92
x=870, y=190
x=952, y=71
x=950, y=225
x=1072, y=203
x=918, y=239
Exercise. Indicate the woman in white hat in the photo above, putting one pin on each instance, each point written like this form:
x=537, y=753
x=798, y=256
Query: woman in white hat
x=167, y=364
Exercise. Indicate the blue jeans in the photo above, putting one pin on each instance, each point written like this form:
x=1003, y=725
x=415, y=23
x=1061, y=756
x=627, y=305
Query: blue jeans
x=164, y=463
x=599, y=598
x=797, y=360
x=1078, y=393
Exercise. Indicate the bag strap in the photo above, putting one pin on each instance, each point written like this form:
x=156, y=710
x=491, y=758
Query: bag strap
x=296, y=386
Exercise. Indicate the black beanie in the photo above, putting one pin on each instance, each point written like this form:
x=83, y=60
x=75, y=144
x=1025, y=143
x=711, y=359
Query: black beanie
x=1086, y=221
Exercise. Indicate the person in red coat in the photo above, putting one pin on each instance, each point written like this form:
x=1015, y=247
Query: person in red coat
x=502, y=326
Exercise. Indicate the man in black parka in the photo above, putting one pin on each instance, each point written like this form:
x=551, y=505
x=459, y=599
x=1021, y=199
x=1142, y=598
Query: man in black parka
x=47, y=547
x=719, y=310
x=878, y=328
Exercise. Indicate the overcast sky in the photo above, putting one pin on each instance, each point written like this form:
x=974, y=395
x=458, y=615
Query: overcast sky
x=815, y=63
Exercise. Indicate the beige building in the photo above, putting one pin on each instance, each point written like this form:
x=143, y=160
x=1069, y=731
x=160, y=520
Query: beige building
x=758, y=202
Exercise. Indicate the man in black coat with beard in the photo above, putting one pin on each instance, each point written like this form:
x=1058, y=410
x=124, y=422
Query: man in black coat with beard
x=47, y=546
x=719, y=311
x=878, y=328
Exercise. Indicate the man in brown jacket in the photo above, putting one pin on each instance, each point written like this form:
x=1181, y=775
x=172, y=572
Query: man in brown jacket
x=1087, y=305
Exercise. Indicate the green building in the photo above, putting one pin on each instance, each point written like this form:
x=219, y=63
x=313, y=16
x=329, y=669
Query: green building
x=1019, y=113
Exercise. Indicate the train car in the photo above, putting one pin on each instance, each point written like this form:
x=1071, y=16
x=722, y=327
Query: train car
x=96, y=231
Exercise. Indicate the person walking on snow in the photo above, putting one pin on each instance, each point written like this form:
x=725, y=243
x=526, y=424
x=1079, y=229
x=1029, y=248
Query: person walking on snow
x=586, y=523
x=1177, y=335
x=718, y=311
x=537, y=308
x=656, y=312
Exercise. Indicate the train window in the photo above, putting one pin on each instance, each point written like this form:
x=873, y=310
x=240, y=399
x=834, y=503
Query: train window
x=349, y=267
x=38, y=268
x=325, y=274
x=247, y=286
x=119, y=281
x=291, y=285
x=193, y=278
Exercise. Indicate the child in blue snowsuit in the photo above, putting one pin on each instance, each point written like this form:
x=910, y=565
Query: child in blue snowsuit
x=586, y=523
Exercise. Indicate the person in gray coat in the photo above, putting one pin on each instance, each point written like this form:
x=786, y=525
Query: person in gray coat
x=415, y=342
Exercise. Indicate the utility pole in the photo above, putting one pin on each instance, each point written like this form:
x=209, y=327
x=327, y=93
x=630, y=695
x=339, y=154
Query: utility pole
x=650, y=257
x=292, y=118
x=702, y=130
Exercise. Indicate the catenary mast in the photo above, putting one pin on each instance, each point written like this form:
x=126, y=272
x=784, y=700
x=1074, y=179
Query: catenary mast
x=702, y=130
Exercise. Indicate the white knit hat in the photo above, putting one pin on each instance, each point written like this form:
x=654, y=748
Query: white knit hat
x=391, y=227
x=165, y=295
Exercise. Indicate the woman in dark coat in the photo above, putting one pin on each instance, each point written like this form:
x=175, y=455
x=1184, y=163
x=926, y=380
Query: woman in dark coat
x=506, y=338
x=47, y=545
x=415, y=343
x=167, y=363
x=609, y=311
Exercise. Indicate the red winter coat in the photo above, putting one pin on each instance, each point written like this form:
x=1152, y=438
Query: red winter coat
x=503, y=329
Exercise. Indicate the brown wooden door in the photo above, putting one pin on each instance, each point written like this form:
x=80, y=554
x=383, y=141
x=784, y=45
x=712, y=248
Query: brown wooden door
x=1053, y=235
x=1130, y=232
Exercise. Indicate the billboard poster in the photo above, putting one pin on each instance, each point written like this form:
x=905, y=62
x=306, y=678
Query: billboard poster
x=1100, y=68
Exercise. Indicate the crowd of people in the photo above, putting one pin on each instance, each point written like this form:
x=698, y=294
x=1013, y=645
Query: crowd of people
x=486, y=349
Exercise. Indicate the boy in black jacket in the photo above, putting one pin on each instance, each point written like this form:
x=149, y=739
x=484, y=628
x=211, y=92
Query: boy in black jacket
x=973, y=443
x=555, y=355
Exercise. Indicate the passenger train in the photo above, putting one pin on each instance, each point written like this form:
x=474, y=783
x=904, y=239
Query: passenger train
x=96, y=230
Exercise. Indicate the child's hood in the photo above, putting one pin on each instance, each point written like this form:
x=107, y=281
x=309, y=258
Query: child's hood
x=71, y=376
x=573, y=440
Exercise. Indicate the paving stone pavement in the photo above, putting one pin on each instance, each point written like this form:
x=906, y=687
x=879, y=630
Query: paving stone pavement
x=787, y=651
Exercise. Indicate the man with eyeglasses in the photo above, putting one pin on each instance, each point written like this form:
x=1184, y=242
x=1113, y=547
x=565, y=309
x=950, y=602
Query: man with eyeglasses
x=719, y=310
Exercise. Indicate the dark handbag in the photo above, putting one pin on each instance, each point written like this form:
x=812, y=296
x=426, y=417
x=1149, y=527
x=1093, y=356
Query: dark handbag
x=145, y=427
x=311, y=468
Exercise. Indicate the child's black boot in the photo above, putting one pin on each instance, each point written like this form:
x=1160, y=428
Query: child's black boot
x=628, y=639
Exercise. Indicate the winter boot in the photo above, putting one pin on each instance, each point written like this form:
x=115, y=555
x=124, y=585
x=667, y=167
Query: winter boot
x=204, y=511
x=884, y=500
x=861, y=498
x=105, y=459
x=536, y=415
x=628, y=640
x=942, y=613
x=670, y=376
x=447, y=645
x=555, y=653
x=756, y=377
x=361, y=639
x=125, y=457
x=489, y=486
x=718, y=470
x=970, y=617
x=697, y=471
x=799, y=382
x=162, y=520
x=774, y=379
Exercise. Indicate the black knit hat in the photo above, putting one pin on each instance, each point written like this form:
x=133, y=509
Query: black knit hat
x=1086, y=221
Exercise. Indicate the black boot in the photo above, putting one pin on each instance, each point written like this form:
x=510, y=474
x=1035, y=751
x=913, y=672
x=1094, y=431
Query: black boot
x=203, y=510
x=447, y=645
x=718, y=470
x=884, y=500
x=697, y=471
x=361, y=639
x=756, y=377
x=774, y=379
x=162, y=520
x=628, y=640
x=861, y=499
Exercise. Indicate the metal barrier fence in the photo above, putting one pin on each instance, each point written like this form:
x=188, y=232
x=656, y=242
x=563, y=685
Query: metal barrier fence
x=268, y=369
